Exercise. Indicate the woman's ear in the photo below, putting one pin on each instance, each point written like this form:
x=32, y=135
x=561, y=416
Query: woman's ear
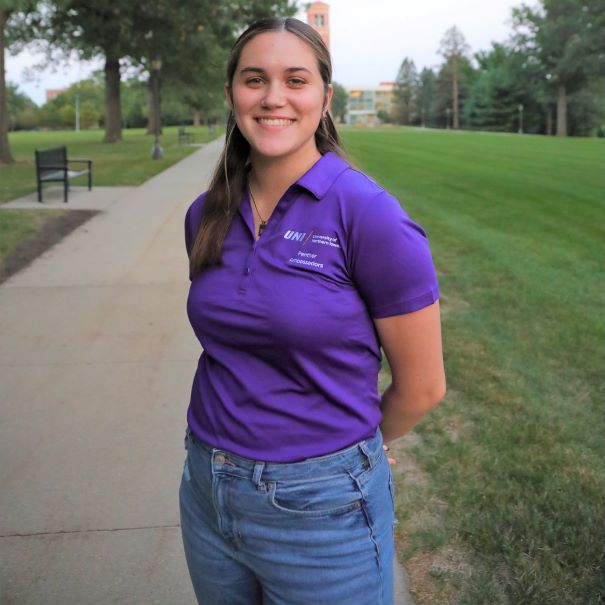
x=228, y=98
x=328, y=98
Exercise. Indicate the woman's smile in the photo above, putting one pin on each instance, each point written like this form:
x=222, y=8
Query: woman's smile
x=274, y=123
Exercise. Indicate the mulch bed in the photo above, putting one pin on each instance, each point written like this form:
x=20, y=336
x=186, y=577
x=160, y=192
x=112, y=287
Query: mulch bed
x=51, y=233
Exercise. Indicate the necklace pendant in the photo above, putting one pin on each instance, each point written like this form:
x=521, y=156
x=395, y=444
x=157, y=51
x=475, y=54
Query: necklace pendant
x=261, y=228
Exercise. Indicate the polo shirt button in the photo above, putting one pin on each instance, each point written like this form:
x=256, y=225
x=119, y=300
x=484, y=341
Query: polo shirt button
x=219, y=459
x=247, y=271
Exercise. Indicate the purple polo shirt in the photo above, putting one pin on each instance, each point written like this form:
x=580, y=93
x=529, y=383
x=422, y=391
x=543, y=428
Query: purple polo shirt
x=290, y=359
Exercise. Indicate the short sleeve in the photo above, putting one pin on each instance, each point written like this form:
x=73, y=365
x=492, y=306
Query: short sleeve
x=390, y=260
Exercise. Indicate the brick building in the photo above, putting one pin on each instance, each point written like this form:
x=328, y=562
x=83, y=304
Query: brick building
x=318, y=16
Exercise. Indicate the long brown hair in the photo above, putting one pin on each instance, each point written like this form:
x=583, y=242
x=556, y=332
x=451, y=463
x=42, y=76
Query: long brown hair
x=229, y=180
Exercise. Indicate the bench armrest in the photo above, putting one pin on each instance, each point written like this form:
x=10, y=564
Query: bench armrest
x=81, y=161
x=52, y=166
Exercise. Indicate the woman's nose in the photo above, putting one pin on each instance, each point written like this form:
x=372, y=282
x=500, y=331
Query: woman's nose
x=274, y=96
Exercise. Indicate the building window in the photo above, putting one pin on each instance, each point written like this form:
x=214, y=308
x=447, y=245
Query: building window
x=319, y=20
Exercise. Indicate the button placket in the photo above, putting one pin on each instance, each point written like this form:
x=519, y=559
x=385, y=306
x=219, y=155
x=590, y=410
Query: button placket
x=273, y=223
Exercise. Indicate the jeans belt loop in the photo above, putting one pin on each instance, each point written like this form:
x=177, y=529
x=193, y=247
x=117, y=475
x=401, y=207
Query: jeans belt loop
x=259, y=467
x=363, y=446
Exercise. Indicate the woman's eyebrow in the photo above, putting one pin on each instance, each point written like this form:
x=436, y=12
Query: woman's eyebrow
x=291, y=69
x=260, y=70
x=256, y=70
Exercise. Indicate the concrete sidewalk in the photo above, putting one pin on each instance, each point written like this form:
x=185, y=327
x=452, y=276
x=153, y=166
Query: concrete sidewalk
x=96, y=363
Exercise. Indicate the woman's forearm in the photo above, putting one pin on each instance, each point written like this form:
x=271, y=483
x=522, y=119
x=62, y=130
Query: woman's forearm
x=402, y=411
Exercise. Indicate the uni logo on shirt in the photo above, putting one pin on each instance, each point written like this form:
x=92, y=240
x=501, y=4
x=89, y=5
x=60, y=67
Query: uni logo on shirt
x=296, y=236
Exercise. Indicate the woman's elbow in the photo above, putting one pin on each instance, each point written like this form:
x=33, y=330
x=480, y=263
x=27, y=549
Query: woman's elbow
x=439, y=390
x=430, y=396
x=430, y=399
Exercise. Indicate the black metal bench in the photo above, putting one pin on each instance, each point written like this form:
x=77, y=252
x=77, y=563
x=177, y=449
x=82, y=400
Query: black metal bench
x=53, y=165
x=184, y=136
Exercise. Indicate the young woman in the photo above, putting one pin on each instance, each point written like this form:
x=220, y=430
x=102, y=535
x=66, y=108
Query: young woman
x=301, y=269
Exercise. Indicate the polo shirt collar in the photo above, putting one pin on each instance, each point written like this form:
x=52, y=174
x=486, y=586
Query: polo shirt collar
x=321, y=176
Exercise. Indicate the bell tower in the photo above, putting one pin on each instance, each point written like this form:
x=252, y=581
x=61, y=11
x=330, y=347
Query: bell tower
x=318, y=17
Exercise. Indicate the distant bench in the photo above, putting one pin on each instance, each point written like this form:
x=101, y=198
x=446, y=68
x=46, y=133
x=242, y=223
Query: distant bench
x=184, y=136
x=53, y=165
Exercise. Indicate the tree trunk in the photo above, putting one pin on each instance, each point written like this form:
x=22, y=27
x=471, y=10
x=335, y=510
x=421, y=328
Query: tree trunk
x=197, y=118
x=562, y=111
x=548, y=121
x=151, y=111
x=113, y=111
x=155, y=104
x=455, y=92
x=5, y=153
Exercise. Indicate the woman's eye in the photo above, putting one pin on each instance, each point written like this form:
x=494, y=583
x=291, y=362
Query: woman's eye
x=296, y=82
x=254, y=81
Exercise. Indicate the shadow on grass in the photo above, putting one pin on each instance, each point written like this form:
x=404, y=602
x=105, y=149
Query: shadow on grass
x=52, y=232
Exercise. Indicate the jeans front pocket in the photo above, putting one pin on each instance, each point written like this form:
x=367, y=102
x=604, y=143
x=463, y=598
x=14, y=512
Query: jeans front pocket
x=186, y=474
x=333, y=495
x=392, y=488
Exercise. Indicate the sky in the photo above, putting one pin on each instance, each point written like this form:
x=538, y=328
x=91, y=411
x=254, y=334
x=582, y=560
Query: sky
x=369, y=40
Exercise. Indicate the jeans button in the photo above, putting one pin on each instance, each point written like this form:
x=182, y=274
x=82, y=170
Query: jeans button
x=219, y=459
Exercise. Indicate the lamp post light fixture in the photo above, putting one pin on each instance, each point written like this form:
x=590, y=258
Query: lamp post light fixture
x=520, y=108
x=157, y=152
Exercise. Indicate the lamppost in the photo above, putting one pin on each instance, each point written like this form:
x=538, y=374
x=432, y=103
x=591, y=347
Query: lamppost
x=448, y=113
x=157, y=153
x=78, y=108
x=520, y=108
x=78, y=101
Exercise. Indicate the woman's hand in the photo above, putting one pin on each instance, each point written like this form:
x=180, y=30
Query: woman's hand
x=386, y=448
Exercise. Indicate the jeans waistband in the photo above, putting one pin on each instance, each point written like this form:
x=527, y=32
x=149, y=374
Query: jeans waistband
x=367, y=452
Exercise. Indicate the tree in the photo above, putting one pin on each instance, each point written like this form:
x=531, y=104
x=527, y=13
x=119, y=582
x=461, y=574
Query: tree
x=585, y=112
x=95, y=29
x=427, y=97
x=12, y=15
x=444, y=104
x=135, y=103
x=89, y=115
x=5, y=154
x=406, y=92
x=22, y=112
x=129, y=33
x=453, y=49
x=494, y=99
x=567, y=39
x=339, y=102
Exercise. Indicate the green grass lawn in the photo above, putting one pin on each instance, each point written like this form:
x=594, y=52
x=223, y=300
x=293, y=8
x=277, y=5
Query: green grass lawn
x=123, y=164
x=501, y=489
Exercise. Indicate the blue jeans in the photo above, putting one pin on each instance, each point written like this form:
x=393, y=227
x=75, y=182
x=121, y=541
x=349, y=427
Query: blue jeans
x=316, y=532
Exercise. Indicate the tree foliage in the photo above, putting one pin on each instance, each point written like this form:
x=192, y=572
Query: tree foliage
x=454, y=49
x=427, y=97
x=15, y=16
x=339, y=102
x=551, y=69
x=566, y=39
x=22, y=112
x=406, y=92
x=189, y=38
